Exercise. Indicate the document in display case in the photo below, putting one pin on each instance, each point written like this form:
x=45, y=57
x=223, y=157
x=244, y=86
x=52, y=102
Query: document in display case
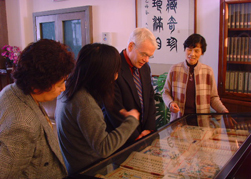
x=218, y=147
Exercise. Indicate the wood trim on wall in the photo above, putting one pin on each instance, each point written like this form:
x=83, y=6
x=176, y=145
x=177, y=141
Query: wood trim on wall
x=195, y=16
x=87, y=10
x=3, y=30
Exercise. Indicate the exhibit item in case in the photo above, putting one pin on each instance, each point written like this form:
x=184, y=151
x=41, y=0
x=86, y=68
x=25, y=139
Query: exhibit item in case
x=211, y=149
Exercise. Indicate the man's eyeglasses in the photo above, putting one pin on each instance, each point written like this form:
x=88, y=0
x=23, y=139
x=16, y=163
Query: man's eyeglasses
x=144, y=55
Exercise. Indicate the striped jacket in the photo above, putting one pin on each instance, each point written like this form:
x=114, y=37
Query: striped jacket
x=205, y=86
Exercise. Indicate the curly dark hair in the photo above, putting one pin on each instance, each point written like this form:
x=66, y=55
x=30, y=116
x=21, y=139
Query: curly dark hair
x=96, y=67
x=42, y=64
x=195, y=39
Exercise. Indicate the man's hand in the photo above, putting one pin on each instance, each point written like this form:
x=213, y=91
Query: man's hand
x=143, y=133
x=132, y=112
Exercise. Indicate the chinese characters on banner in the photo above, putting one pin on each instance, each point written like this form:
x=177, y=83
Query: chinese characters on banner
x=171, y=21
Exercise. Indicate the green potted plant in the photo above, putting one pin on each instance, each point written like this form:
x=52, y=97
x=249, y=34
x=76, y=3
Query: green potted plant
x=162, y=112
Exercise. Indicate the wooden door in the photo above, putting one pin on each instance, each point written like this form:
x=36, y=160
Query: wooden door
x=72, y=26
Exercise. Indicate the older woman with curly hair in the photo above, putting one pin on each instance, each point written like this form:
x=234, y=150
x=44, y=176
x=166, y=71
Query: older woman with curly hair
x=28, y=146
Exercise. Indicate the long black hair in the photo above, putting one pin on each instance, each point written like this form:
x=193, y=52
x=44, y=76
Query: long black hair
x=95, y=70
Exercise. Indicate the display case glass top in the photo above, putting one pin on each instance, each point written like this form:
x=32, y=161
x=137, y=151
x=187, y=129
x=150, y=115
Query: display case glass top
x=210, y=149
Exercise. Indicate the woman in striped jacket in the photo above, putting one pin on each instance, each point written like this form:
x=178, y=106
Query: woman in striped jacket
x=190, y=86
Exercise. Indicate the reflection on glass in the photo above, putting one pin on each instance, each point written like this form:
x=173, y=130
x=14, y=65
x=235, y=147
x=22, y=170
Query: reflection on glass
x=72, y=35
x=182, y=151
x=48, y=30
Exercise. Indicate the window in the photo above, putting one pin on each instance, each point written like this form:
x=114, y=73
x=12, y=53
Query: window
x=72, y=26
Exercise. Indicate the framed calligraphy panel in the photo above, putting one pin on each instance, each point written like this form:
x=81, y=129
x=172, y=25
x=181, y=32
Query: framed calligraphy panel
x=171, y=21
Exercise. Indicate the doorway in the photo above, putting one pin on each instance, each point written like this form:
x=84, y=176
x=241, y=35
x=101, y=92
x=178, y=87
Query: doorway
x=71, y=26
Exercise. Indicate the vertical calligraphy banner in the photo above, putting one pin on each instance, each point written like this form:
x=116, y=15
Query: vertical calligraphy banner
x=171, y=21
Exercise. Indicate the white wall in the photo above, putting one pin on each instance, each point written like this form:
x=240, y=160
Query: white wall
x=208, y=15
x=115, y=16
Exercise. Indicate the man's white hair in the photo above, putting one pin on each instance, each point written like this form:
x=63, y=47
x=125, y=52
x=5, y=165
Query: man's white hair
x=139, y=35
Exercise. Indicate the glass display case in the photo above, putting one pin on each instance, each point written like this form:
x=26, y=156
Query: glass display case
x=217, y=147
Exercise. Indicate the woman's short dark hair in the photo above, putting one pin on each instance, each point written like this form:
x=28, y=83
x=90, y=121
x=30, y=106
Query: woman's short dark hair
x=195, y=39
x=96, y=67
x=41, y=65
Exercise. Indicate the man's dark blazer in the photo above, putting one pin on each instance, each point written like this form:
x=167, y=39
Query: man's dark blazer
x=126, y=97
